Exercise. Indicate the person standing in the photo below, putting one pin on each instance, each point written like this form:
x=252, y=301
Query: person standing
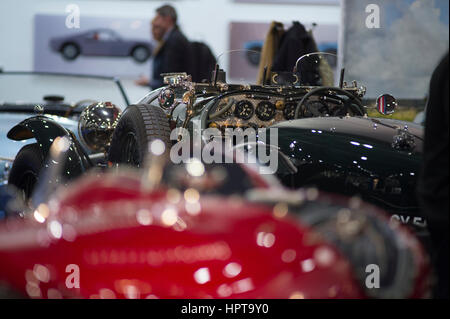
x=433, y=188
x=173, y=51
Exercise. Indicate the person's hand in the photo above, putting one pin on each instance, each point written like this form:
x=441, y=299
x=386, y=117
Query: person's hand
x=142, y=81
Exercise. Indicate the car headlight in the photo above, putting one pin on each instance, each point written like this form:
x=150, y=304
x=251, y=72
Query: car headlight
x=96, y=125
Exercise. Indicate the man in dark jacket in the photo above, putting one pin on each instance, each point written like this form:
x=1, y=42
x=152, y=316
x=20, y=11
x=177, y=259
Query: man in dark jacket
x=433, y=187
x=173, y=52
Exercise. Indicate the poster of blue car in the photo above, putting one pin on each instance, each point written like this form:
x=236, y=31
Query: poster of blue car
x=333, y=2
x=100, y=46
x=101, y=42
x=250, y=36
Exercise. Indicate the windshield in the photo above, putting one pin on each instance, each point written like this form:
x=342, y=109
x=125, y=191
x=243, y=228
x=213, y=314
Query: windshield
x=31, y=88
x=241, y=66
x=317, y=69
x=313, y=69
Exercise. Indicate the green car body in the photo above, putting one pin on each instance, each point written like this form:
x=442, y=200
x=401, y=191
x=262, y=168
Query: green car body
x=367, y=157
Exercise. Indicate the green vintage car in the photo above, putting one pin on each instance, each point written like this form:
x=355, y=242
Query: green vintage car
x=324, y=136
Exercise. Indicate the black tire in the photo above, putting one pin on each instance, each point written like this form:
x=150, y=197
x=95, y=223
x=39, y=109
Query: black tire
x=70, y=51
x=138, y=126
x=140, y=53
x=26, y=168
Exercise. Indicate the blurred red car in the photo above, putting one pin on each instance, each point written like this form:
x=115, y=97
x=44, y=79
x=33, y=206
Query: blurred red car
x=205, y=231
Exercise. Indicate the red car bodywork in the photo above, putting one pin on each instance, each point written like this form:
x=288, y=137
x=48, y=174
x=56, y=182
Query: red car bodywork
x=131, y=243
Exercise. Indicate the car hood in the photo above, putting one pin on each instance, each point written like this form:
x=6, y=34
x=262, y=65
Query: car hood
x=382, y=131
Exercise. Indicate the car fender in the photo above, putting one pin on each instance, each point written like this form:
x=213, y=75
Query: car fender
x=45, y=131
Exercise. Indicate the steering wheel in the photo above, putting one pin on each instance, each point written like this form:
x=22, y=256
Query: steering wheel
x=348, y=103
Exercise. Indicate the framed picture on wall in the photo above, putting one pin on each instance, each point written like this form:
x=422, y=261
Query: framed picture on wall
x=102, y=46
x=250, y=36
x=410, y=33
x=333, y=2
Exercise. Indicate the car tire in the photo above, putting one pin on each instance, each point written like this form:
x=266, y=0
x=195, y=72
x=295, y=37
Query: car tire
x=26, y=168
x=70, y=51
x=137, y=127
x=140, y=53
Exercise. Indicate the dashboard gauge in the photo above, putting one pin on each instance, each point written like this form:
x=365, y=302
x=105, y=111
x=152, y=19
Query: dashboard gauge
x=244, y=110
x=265, y=111
x=289, y=111
x=280, y=105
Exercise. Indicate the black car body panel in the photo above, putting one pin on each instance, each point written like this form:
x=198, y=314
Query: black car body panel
x=45, y=131
x=357, y=156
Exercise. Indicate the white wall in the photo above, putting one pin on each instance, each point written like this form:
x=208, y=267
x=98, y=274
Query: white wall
x=206, y=20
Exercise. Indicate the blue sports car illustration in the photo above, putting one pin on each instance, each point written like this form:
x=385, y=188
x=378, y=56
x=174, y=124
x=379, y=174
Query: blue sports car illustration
x=101, y=42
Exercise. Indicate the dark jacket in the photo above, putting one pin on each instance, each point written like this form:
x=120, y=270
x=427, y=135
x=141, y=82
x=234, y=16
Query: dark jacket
x=295, y=42
x=173, y=56
x=203, y=62
x=434, y=181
